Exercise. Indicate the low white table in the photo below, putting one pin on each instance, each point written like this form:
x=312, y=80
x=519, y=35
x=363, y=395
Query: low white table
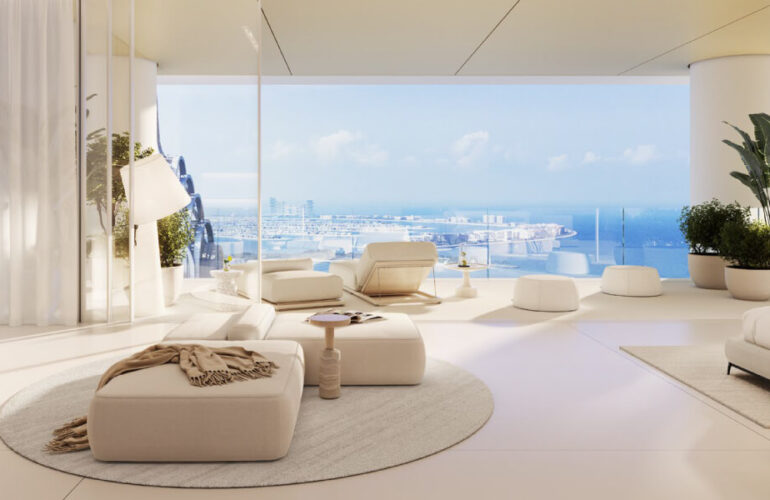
x=466, y=290
x=227, y=281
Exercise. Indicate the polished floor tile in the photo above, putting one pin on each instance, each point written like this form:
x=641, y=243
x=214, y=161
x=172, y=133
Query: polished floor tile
x=574, y=417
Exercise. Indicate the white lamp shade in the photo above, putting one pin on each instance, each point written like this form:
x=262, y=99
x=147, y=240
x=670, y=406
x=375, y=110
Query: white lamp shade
x=157, y=191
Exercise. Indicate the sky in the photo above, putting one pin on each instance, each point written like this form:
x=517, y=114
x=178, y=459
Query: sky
x=402, y=148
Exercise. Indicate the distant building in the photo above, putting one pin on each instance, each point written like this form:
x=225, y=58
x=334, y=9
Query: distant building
x=309, y=208
x=493, y=219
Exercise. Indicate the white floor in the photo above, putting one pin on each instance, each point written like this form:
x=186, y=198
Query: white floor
x=574, y=418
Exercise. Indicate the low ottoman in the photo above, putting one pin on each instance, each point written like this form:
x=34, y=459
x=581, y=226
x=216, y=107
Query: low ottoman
x=156, y=415
x=631, y=281
x=290, y=284
x=389, y=351
x=546, y=293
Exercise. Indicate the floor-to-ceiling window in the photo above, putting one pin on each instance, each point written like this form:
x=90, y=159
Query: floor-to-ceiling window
x=526, y=178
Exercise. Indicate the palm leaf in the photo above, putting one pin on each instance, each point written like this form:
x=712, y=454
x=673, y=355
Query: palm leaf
x=761, y=123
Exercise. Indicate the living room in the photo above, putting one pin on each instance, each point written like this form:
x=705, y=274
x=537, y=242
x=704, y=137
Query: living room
x=384, y=249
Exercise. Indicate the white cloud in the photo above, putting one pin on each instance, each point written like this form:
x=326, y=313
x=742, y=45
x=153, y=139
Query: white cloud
x=640, y=155
x=281, y=150
x=348, y=145
x=330, y=146
x=590, y=157
x=557, y=162
x=469, y=148
x=369, y=154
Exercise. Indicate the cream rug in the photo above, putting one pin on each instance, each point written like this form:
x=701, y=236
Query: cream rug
x=367, y=429
x=704, y=368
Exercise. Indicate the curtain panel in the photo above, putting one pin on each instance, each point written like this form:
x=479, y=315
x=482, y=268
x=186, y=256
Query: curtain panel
x=39, y=239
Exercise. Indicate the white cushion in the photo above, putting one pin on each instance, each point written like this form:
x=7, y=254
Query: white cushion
x=345, y=269
x=248, y=282
x=756, y=326
x=203, y=326
x=253, y=324
x=156, y=415
x=273, y=265
x=631, y=281
x=300, y=286
x=546, y=292
x=378, y=352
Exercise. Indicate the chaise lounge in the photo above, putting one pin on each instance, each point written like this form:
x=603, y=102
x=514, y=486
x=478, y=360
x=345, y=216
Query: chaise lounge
x=390, y=273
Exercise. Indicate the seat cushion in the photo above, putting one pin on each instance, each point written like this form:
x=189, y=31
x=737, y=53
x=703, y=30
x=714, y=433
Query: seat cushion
x=631, y=281
x=756, y=326
x=253, y=323
x=203, y=326
x=300, y=286
x=378, y=352
x=248, y=281
x=275, y=265
x=748, y=356
x=546, y=292
x=156, y=415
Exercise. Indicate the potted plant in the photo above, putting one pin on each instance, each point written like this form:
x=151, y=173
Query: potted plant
x=701, y=226
x=746, y=246
x=755, y=154
x=174, y=236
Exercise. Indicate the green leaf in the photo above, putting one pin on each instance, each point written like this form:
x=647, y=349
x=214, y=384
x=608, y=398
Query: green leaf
x=761, y=123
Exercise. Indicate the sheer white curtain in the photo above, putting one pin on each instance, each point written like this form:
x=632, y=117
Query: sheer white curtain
x=38, y=167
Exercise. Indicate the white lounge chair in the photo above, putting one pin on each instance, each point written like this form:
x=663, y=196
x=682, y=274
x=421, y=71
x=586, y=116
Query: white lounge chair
x=390, y=272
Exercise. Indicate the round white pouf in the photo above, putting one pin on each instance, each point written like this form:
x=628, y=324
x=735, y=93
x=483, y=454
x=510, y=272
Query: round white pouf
x=546, y=292
x=631, y=281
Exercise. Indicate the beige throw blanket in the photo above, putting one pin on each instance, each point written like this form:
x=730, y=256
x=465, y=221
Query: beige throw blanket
x=203, y=366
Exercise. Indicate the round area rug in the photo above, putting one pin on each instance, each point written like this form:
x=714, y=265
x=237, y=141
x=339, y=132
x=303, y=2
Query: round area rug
x=367, y=429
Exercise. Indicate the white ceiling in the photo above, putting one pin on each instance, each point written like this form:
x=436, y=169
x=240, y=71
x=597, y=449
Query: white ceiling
x=449, y=37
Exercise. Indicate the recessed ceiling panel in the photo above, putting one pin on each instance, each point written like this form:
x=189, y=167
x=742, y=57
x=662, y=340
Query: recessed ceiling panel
x=597, y=37
x=747, y=36
x=381, y=37
x=204, y=37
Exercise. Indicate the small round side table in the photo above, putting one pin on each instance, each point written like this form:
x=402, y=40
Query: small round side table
x=227, y=280
x=466, y=290
x=329, y=373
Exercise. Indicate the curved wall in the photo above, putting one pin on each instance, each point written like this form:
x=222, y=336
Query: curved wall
x=723, y=89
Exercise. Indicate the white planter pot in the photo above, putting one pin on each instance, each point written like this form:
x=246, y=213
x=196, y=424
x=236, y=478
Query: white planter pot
x=172, y=283
x=707, y=271
x=748, y=284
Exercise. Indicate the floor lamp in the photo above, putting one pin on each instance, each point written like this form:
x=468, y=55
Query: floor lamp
x=157, y=194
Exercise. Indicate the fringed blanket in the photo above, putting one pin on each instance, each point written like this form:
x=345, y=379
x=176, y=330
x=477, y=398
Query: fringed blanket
x=203, y=366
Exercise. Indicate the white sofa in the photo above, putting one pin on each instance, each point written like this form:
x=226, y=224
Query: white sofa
x=290, y=284
x=379, y=352
x=751, y=351
x=389, y=272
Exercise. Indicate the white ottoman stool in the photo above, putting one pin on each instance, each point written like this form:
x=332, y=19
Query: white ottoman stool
x=376, y=352
x=631, y=281
x=546, y=292
x=156, y=415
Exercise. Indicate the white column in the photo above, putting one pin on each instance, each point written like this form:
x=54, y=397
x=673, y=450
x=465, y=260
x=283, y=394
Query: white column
x=723, y=89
